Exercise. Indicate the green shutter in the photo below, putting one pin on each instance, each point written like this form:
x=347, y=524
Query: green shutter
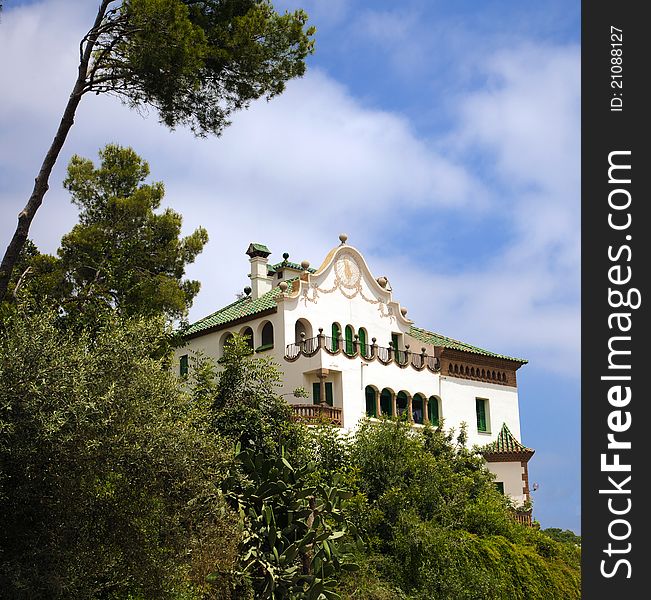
x=349, y=339
x=328, y=391
x=433, y=411
x=183, y=365
x=417, y=408
x=386, y=405
x=362, y=342
x=500, y=487
x=316, y=393
x=335, y=337
x=481, y=414
x=370, y=402
x=402, y=403
x=398, y=355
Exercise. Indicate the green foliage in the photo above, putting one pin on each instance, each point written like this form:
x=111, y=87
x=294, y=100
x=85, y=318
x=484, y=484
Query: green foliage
x=423, y=470
x=109, y=474
x=37, y=278
x=563, y=535
x=453, y=563
x=246, y=406
x=122, y=255
x=194, y=61
x=434, y=524
x=197, y=62
x=292, y=546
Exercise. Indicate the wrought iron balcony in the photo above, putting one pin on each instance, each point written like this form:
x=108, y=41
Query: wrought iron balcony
x=402, y=358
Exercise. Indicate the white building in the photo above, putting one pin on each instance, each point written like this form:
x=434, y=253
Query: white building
x=339, y=333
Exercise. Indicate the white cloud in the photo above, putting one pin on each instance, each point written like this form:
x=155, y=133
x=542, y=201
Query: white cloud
x=525, y=123
x=295, y=172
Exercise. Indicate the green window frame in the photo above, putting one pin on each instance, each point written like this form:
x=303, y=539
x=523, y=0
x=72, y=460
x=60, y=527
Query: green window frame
x=482, y=422
x=363, y=349
x=395, y=340
x=348, y=332
x=386, y=403
x=433, y=410
x=371, y=410
x=336, y=332
x=417, y=407
x=316, y=393
x=183, y=365
x=398, y=355
x=402, y=403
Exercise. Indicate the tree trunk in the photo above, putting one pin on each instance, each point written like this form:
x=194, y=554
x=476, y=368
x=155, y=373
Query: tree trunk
x=41, y=183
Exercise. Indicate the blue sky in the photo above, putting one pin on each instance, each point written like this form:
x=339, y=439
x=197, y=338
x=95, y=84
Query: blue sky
x=442, y=137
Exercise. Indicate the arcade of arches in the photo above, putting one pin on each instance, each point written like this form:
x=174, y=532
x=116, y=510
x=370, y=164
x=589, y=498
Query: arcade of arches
x=388, y=403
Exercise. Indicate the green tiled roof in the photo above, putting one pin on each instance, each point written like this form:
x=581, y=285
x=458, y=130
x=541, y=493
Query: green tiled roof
x=436, y=339
x=505, y=444
x=260, y=247
x=243, y=307
x=288, y=264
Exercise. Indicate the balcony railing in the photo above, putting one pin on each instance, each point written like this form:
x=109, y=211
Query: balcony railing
x=369, y=352
x=523, y=517
x=317, y=413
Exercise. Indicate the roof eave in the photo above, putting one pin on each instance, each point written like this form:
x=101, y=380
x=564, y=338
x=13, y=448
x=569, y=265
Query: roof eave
x=227, y=324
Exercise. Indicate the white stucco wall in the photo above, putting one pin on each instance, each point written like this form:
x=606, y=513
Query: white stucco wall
x=366, y=304
x=510, y=474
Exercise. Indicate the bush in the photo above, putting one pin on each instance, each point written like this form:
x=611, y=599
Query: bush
x=434, y=525
x=108, y=472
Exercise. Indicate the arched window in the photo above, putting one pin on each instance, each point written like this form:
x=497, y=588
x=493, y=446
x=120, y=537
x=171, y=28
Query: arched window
x=402, y=401
x=225, y=339
x=433, y=410
x=417, y=407
x=386, y=402
x=363, y=348
x=349, y=340
x=302, y=326
x=267, y=336
x=371, y=397
x=247, y=333
x=336, y=332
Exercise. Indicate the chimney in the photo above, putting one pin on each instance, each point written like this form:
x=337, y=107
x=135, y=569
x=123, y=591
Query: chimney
x=260, y=281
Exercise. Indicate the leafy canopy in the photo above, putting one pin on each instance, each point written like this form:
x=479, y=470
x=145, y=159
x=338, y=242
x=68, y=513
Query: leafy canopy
x=108, y=472
x=122, y=255
x=245, y=402
x=197, y=61
x=433, y=522
x=194, y=62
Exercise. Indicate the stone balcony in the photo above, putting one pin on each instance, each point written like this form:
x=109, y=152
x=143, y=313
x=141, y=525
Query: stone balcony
x=314, y=414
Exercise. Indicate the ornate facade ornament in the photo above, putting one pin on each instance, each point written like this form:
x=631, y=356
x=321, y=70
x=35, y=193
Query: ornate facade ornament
x=348, y=280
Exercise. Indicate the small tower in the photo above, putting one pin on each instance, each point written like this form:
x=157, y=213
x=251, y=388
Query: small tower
x=260, y=281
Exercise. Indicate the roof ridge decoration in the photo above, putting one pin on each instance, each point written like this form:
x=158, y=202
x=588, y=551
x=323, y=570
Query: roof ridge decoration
x=256, y=249
x=506, y=446
x=287, y=264
x=348, y=265
x=437, y=339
